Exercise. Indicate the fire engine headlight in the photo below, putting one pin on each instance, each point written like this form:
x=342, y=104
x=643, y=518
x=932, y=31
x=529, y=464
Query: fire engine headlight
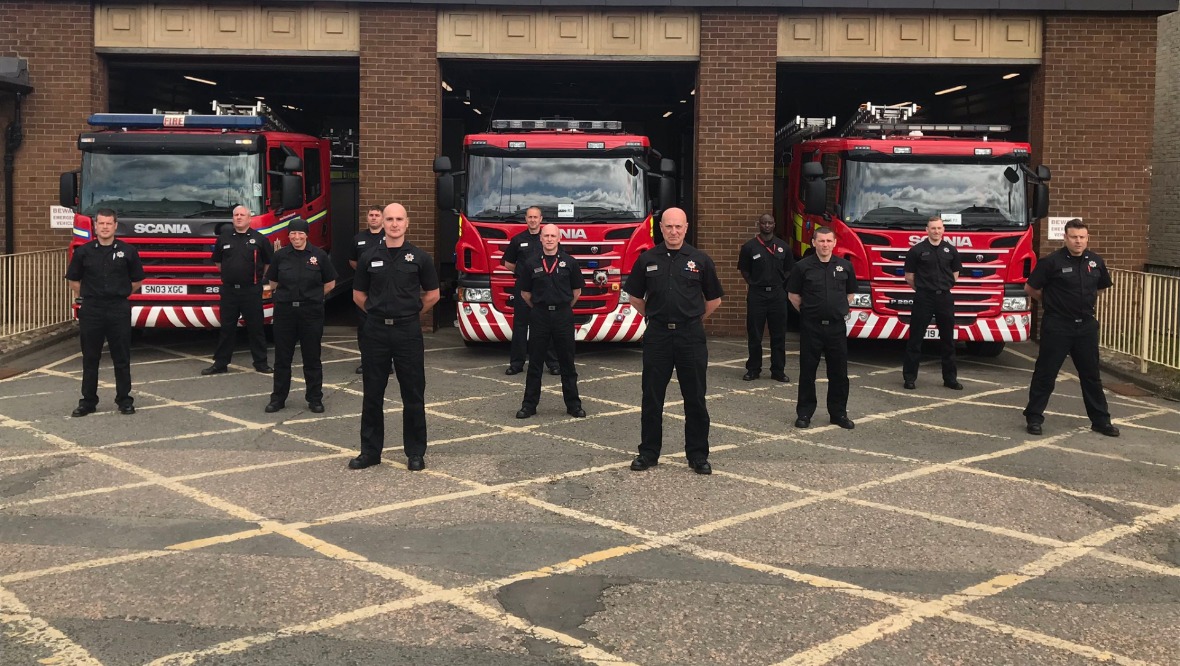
x=475, y=295
x=862, y=301
x=1015, y=303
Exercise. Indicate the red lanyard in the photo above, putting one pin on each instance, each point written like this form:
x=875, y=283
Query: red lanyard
x=548, y=268
x=769, y=248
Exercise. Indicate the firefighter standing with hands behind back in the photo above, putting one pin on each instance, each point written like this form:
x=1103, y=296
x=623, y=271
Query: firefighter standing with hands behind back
x=932, y=267
x=102, y=274
x=369, y=237
x=242, y=255
x=765, y=263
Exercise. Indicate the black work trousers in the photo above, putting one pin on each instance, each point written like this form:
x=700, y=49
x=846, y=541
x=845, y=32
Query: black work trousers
x=1061, y=337
x=685, y=350
x=520, y=336
x=244, y=302
x=401, y=343
x=940, y=306
x=109, y=321
x=831, y=340
x=551, y=330
x=303, y=324
x=769, y=309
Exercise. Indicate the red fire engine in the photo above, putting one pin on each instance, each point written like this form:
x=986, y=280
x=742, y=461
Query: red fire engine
x=174, y=180
x=599, y=184
x=878, y=181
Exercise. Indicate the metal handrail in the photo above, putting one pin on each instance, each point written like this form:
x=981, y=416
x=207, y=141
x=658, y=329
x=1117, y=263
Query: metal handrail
x=1140, y=317
x=33, y=291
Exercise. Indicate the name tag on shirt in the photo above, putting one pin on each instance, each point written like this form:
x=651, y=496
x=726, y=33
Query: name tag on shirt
x=1067, y=269
x=377, y=264
x=756, y=256
x=538, y=269
x=525, y=244
x=652, y=267
x=361, y=242
x=226, y=246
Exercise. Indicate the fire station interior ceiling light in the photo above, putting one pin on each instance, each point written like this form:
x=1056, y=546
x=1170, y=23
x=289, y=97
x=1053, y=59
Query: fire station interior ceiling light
x=205, y=81
x=260, y=99
x=667, y=113
x=467, y=102
x=951, y=90
x=447, y=87
x=693, y=91
x=684, y=101
x=1011, y=76
x=293, y=108
x=477, y=111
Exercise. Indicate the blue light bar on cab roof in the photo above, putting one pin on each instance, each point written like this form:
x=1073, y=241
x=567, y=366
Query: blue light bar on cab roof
x=161, y=120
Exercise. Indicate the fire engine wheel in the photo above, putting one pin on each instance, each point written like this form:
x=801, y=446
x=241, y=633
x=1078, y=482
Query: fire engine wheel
x=985, y=349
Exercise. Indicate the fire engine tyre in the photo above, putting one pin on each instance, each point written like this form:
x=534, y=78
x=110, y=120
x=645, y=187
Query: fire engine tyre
x=985, y=349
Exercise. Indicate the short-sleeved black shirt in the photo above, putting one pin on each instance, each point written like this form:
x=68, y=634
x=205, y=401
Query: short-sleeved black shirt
x=243, y=256
x=393, y=279
x=520, y=248
x=105, y=271
x=824, y=287
x=362, y=242
x=1070, y=283
x=551, y=280
x=933, y=266
x=767, y=263
x=675, y=283
x=301, y=274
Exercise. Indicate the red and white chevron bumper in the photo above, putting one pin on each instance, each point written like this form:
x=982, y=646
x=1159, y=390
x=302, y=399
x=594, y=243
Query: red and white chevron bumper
x=1013, y=327
x=184, y=316
x=480, y=322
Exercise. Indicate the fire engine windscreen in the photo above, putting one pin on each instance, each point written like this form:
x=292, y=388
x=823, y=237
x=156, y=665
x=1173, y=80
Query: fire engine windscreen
x=581, y=189
x=171, y=186
x=890, y=194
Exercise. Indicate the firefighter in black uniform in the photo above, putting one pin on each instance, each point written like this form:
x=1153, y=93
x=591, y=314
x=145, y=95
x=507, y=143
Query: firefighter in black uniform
x=932, y=267
x=523, y=246
x=396, y=283
x=102, y=274
x=304, y=275
x=550, y=283
x=675, y=287
x=765, y=263
x=821, y=287
x=368, y=238
x=1067, y=282
x=242, y=254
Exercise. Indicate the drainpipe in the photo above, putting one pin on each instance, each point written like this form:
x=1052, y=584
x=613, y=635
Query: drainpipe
x=13, y=136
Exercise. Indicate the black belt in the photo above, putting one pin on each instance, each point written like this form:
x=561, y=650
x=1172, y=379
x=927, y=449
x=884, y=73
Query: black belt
x=394, y=321
x=240, y=285
x=1069, y=319
x=296, y=304
x=828, y=322
x=673, y=325
x=552, y=308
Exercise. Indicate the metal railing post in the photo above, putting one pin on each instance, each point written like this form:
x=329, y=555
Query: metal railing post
x=1147, y=336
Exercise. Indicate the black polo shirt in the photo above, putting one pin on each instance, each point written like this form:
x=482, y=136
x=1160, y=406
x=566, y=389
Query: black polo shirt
x=301, y=274
x=675, y=283
x=768, y=263
x=521, y=247
x=1070, y=283
x=363, y=242
x=243, y=256
x=933, y=266
x=393, y=279
x=551, y=280
x=105, y=271
x=824, y=287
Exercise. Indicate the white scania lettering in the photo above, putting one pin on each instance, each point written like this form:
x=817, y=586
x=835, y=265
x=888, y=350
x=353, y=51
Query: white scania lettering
x=573, y=234
x=957, y=241
x=149, y=228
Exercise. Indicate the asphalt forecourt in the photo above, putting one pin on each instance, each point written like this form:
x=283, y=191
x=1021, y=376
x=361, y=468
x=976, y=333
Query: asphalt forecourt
x=203, y=530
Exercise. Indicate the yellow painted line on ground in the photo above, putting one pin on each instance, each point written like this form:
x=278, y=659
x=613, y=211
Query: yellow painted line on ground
x=249, y=425
x=82, y=566
x=1045, y=640
x=20, y=626
x=77, y=493
x=1112, y=456
x=931, y=426
x=1056, y=488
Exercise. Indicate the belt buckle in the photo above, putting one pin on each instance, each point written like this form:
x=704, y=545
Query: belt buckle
x=768, y=288
x=551, y=307
x=671, y=327
x=825, y=322
x=294, y=304
x=390, y=322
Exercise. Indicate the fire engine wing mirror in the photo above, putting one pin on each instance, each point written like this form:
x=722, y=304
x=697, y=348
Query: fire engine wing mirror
x=667, y=192
x=1044, y=174
x=667, y=167
x=442, y=164
x=1040, y=201
x=815, y=189
x=67, y=189
x=292, y=196
x=445, y=188
x=291, y=164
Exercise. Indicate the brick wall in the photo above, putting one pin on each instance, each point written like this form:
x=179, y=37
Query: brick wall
x=735, y=144
x=1164, y=236
x=57, y=39
x=1092, y=102
x=400, y=113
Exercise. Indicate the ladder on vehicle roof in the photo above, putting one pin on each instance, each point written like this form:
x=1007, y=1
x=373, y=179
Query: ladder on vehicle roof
x=883, y=121
x=270, y=118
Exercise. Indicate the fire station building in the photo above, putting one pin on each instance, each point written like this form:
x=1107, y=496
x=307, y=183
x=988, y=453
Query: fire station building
x=709, y=81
